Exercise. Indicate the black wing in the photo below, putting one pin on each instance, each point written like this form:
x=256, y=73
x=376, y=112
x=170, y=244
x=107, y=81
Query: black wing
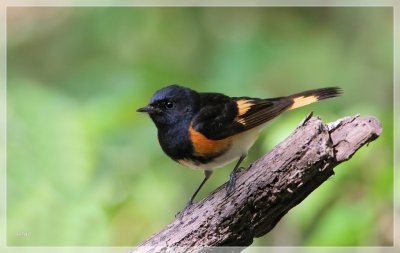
x=253, y=112
x=221, y=116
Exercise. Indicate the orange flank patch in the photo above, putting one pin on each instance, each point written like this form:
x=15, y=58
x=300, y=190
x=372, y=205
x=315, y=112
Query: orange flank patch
x=206, y=147
x=302, y=101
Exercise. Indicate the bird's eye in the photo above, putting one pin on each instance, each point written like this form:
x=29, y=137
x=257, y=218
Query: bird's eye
x=169, y=105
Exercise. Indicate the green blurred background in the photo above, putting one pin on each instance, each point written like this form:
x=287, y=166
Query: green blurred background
x=84, y=169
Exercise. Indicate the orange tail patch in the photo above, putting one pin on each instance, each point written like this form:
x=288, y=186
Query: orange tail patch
x=311, y=96
x=302, y=101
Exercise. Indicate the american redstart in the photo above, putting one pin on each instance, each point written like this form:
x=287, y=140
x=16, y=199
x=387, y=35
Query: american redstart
x=208, y=130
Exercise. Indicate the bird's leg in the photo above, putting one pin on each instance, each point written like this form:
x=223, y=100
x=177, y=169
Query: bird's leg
x=230, y=186
x=207, y=174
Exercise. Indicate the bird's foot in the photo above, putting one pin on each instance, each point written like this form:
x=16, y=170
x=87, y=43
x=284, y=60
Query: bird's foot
x=230, y=186
x=182, y=213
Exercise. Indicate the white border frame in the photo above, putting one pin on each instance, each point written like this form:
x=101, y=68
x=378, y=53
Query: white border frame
x=204, y=3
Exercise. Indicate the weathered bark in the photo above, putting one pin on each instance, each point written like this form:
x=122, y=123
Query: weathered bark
x=269, y=188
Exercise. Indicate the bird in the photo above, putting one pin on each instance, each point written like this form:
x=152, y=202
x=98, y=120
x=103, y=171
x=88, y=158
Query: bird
x=207, y=130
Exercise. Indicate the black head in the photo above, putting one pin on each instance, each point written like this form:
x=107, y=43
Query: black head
x=171, y=105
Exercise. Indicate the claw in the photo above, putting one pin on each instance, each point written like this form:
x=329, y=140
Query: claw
x=182, y=213
x=230, y=186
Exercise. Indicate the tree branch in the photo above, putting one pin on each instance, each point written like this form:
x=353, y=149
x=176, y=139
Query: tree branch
x=269, y=188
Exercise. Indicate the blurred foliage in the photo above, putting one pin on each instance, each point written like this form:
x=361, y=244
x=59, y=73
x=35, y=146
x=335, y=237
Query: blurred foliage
x=83, y=168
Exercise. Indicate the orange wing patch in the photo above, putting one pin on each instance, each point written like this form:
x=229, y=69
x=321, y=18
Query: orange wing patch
x=240, y=120
x=243, y=106
x=206, y=147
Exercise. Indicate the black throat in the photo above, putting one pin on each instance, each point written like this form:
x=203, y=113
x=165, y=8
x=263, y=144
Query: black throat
x=175, y=140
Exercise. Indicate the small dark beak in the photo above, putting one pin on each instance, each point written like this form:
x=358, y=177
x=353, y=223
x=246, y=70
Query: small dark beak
x=148, y=109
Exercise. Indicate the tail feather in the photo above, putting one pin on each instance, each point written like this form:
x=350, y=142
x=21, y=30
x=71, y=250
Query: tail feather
x=311, y=96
